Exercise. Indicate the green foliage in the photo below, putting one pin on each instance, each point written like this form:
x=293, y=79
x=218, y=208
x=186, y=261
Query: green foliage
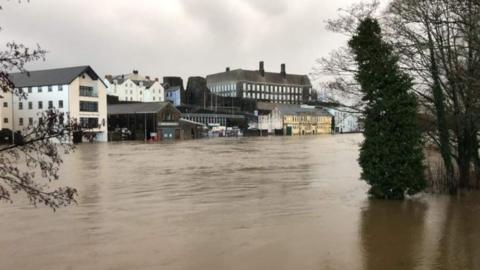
x=392, y=154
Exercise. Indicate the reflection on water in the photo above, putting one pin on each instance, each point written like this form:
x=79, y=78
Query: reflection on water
x=248, y=203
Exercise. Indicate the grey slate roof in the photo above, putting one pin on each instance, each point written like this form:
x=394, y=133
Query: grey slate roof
x=291, y=109
x=255, y=76
x=59, y=76
x=136, y=79
x=133, y=108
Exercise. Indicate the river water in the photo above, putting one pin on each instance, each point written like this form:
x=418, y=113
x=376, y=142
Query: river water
x=247, y=203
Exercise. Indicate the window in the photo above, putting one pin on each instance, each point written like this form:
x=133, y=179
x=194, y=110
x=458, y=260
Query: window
x=49, y=88
x=20, y=105
x=30, y=121
x=50, y=104
x=60, y=104
x=60, y=88
x=20, y=121
x=5, y=104
x=89, y=122
x=88, y=106
x=153, y=98
x=30, y=105
x=5, y=120
x=87, y=91
x=29, y=90
x=39, y=89
x=40, y=105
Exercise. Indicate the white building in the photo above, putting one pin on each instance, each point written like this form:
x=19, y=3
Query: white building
x=77, y=91
x=345, y=121
x=134, y=87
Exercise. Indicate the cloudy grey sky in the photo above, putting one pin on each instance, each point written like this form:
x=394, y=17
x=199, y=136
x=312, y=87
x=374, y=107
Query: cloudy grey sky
x=174, y=37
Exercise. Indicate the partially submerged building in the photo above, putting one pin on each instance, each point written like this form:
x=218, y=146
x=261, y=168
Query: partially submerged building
x=290, y=120
x=78, y=92
x=150, y=121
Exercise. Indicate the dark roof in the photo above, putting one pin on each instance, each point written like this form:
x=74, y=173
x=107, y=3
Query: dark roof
x=147, y=107
x=59, y=76
x=173, y=89
x=290, y=109
x=255, y=76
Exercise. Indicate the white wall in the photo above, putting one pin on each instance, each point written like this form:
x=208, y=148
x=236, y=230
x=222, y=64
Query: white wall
x=129, y=91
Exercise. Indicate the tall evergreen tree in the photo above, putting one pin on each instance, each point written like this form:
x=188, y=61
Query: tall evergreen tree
x=391, y=156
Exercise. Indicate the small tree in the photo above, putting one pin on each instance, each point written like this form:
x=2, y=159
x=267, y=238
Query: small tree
x=392, y=154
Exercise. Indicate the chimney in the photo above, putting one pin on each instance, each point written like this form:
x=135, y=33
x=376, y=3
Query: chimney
x=156, y=79
x=135, y=72
x=261, y=68
x=283, y=71
x=227, y=69
x=147, y=78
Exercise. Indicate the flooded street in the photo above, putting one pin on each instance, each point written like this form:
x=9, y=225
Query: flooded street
x=248, y=203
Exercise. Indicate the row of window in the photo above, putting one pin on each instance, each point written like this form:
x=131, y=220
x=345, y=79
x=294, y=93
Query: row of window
x=275, y=98
x=40, y=105
x=84, y=122
x=88, y=106
x=309, y=118
x=40, y=89
x=258, y=87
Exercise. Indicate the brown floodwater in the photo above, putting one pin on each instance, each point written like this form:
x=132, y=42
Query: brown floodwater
x=246, y=203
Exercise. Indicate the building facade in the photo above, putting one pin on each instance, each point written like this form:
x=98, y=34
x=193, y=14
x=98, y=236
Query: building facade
x=78, y=92
x=135, y=87
x=263, y=86
x=174, y=95
x=291, y=120
x=151, y=121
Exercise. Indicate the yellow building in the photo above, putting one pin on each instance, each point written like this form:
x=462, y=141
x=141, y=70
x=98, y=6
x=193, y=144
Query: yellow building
x=307, y=124
x=293, y=120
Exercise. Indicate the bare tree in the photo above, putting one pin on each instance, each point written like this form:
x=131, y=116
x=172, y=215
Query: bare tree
x=32, y=161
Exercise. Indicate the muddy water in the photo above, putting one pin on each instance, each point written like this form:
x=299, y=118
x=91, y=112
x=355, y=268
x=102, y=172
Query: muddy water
x=252, y=203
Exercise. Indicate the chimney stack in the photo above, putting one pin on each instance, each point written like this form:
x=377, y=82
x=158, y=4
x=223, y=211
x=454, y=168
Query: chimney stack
x=261, y=68
x=135, y=72
x=227, y=69
x=156, y=79
x=283, y=71
x=147, y=78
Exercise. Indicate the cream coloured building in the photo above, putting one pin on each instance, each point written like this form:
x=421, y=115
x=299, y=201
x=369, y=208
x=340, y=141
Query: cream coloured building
x=135, y=87
x=290, y=120
x=77, y=91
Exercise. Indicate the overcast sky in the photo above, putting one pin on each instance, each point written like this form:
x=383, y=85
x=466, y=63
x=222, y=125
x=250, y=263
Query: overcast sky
x=174, y=37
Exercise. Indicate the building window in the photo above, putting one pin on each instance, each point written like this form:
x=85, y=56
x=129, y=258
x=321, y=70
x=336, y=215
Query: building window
x=88, y=106
x=87, y=91
x=30, y=121
x=30, y=105
x=29, y=90
x=89, y=122
x=60, y=88
x=40, y=89
x=5, y=104
x=5, y=120
x=20, y=121
x=40, y=105
x=20, y=105
x=50, y=104
x=49, y=88
x=60, y=104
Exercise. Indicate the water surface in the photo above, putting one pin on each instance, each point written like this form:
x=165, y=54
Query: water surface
x=248, y=203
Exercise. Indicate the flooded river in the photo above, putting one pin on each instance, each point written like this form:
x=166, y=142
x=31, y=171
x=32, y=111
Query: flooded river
x=248, y=203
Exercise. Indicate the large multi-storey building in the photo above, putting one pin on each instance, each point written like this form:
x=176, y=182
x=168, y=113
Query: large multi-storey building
x=135, y=87
x=264, y=86
x=77, y=91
